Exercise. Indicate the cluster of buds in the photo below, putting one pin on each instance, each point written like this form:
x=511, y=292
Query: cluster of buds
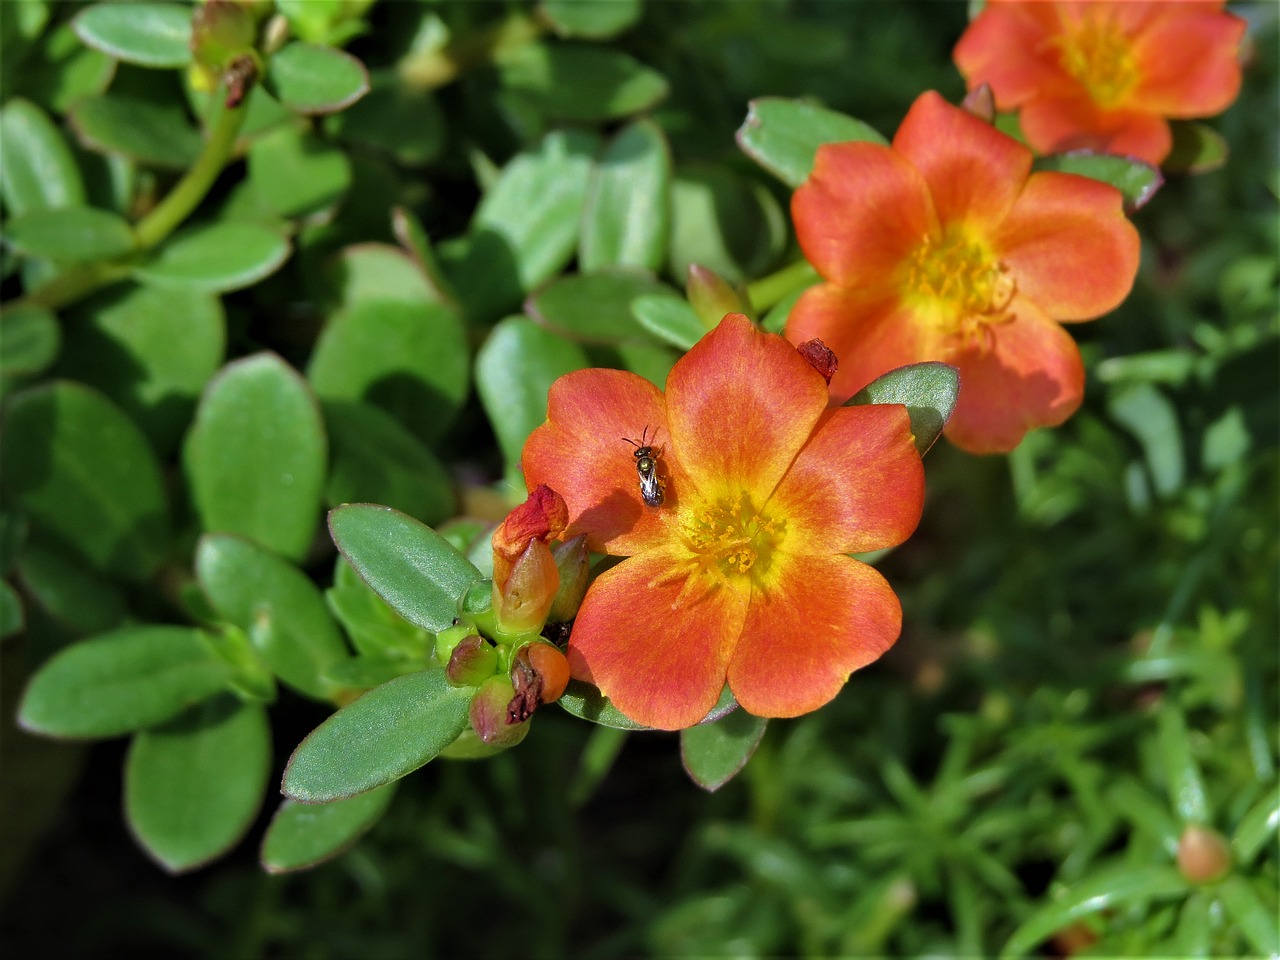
x=497, y=645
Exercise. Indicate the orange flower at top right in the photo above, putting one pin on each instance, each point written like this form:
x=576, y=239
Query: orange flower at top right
x=1102, y=75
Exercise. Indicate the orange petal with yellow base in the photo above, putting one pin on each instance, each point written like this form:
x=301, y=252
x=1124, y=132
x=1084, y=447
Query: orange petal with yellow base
x=658, y=650
x=799, y=644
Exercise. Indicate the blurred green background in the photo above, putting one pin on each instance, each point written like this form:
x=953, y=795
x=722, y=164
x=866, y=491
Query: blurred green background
x=1088, y=663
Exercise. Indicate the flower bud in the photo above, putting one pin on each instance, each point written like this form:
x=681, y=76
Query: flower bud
x=450, y=637
x=220, y=32
x=551, y=668
x=711, y=296
x=981, y=102
x=573, y=563
x=525, y=576
x=489, y=714
x=473, y=661
x=1203, y=854
x=475, y=606
x=821, y=357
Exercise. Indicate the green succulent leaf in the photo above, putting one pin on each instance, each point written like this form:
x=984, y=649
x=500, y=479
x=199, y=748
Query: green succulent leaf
x=296, y=173
x=669, y=318
x=783, y=135
x=193, y=787
x=595, y=307
x=150, y=129
x=119, y=682
x=70, y=591
x=1197, y=148
x=626, y=219
x=215, y=258
x=37, y=168
x=928, y=390
x=591, y=20
x=578, y=82
x=70, y=234
x=713, y=753
x=1137, y=181
x=389, y=732
x=146, y=34
x=310, y=79
x=303, y=835
x=29, y=340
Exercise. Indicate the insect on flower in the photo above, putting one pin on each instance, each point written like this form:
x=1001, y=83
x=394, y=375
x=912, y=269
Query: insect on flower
x=652, y=486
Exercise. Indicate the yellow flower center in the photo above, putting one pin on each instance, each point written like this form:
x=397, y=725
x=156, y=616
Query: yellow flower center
x=955, y=279
x=1098, y=54
x=730, y=537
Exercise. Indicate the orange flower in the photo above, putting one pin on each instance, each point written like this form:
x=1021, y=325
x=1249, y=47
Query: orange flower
x=740, y=573
x=1104, y=76
x=525, y=576
x=946, y=247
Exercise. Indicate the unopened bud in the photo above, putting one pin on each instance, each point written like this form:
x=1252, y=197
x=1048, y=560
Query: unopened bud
x=450, y=637
x=711, y=296
x=551, y=667
x=821, y=357
x=980, y=102
x=488, y=714
x=472, y=662
x=573, y=563
x=475, y=606
x=1203, y=854
x=525, y=576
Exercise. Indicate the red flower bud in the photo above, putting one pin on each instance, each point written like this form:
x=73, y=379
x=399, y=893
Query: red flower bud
x=1203, y=854
x=573, y=562
x=525, y=576
x=472, y=662
x=489, y=714
x=711, y=296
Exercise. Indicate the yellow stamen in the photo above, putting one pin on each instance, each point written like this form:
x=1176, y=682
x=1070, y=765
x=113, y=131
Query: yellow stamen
x=1098, y=54
x=953, y=278
x=729, y=539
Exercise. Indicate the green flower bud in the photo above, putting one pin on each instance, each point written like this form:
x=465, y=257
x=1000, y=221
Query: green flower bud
x=489, y=715
x=711, y=296
x=472, y=662
x=450, y=637
x=573, y=562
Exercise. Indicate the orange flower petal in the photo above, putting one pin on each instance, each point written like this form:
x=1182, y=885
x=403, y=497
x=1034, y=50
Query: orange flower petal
x=799, y=645
x=869, y=335
x=1061, y=124
x=972, y=169
x=740, y=405
x=659, y=656
x=1189, y=62
x=1069, y=246
x=1003, y=47
x=1032, y=377
x=857, y=485
x=862, y=210
x=581, y=454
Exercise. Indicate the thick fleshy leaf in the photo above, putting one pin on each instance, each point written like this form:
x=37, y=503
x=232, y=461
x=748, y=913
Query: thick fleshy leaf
x=277, y=605
x=826, y=617
x=29, y=339
x=70, y=234
x=376, y=460
x=1256, y=828
x=215, y=258
x=526, y=228
x=1152, y=419
x=404, y=121
x=390, y=731
x=783, y=135
x=150, y=350
x=296, y=173
x=377, y=632
x=310, y=79
x=255, y=457
x=579, y=82
x=594, y=307
x=1104, y=889
x=61, y=71
x=713, y=753
x=376, y=271
x=1197, y=148
x=410, y=359
x=593, y=21
x=303, y=835
x=153, y=130
x=407, y=563
x=193, y=786
x=37, y=168
x=928, y=391
x=724, y=222
x=120, y=682
x=1136, y=180
x=1254, y=915
x=415, y=241
x=669, y=318
x=626, y=220
x=514, y=371
x=12, y=618
x=84, y=473
x=146, y=34
x=69, y=591
x=585, y=702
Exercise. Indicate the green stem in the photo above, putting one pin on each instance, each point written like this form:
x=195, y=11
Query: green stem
x=770, y=290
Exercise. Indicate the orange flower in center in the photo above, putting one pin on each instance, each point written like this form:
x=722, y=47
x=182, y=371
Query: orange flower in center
x=740, y=574
x=1102, y=75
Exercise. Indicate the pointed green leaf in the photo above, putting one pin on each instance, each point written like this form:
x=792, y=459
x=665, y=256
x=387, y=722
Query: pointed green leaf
x=70, y=234
x=783, y=135
x=86, y=476
x=626, y=219
x=277, y=605
x=1255, y=917
x=390, y=731
x=70, y=591
x=578, y=82
x=1182, y=774
x=407, y=563
x=1256, y=827
x=727, y=223
x=928, y=390
x=514, y=370
x=146, y=34
x=303, y=835
x=1197, y=148
x=587, y=703
x=409, y=358
x=193, y=786
x=310, y=79
x=121, y=681
x=296, y=173
x=255, y=457
x=669, y=318
x=595, y=307
x=1150, y=416
x=713, y=753
x=592, y=19
x=37, y=169
x=1136, y=180
x=215, y=258
x=29, y=339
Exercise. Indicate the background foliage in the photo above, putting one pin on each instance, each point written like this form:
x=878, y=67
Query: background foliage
x=1089, y=658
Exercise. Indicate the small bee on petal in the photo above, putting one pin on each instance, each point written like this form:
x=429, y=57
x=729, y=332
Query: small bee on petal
x=652, y=486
